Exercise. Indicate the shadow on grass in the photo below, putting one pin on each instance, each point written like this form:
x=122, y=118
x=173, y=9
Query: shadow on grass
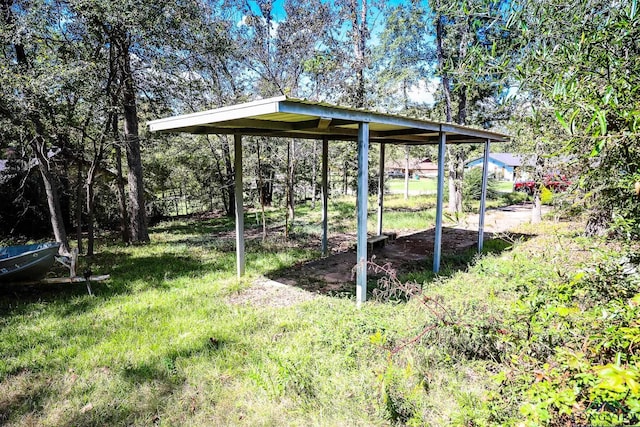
x=409, y=258
x=128, y=274
x=193, y=226
x=164, y=366
x=201, y=224
x=20, y=394
x=451, y=263
x=146, y=384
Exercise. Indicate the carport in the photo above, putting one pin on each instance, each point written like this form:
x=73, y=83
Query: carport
x=295, y=118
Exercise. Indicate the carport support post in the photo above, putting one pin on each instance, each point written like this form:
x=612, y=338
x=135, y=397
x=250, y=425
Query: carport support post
x=483, y=195
x=325, y=194
x=240, y=262
x=437, y=244
x=363, y=194
x=381, y=189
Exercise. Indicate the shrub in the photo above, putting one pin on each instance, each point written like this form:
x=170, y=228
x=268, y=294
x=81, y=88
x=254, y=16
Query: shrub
x=574, y=359
x=472, y=186
x=546, y=195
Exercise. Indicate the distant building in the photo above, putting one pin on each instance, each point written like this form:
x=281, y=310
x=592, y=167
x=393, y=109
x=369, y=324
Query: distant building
x=420, y=167
x=503, y=166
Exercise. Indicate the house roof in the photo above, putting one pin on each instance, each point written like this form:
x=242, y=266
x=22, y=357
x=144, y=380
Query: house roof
x=419, y=164
x=508, y=159
x=296, y=118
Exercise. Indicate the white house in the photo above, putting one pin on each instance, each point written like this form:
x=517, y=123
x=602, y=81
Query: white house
x=502, y=166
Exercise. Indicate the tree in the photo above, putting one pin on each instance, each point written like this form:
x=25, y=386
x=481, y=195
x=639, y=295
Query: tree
x=588, y=73
x=404, y=55
x=471, y=45
x=279, y=53
x=34, y=102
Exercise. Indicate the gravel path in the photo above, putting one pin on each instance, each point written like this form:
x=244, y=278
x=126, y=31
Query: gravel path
x=502, y=219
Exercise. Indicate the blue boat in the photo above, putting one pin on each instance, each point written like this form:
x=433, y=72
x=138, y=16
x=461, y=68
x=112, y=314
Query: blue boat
x=27, y=263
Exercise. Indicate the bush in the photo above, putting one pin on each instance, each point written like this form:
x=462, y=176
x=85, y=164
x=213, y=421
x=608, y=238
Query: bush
x=574, y=359
x=546, y=196
x=472, y=186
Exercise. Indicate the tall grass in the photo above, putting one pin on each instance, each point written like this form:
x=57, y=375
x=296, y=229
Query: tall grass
x=162, y=343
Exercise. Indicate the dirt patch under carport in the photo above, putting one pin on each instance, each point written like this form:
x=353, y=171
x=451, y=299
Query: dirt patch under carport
x=335, y=274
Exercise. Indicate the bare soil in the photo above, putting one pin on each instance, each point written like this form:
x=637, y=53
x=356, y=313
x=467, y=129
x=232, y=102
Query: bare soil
x=335, y=274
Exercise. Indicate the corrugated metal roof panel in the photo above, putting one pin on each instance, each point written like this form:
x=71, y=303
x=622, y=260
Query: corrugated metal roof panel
x=287, y=117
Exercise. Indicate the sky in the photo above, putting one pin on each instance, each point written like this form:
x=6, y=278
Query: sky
x=420, y=93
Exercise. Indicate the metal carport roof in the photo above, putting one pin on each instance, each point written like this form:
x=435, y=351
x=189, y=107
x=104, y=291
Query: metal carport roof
x=295, y=118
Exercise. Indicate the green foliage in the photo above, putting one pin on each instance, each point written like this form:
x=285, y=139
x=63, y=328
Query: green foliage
x=472, y=187
x=583, y=70
x=546, y=195
x=573, y=358
x=401, y=394
x=514, y=197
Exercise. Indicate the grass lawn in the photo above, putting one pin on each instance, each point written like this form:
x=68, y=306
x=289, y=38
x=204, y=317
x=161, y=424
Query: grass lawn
x=161, y=343
x=422, y=185
x=430, y=185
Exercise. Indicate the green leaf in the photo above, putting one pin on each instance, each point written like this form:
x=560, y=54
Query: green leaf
x=572, y=120
x=565, y=311
x=377, y=338
x=562, y=121
x=617, y=379
x=577, y=278
x=599, y=146
x=606, y=99
x=603, y=122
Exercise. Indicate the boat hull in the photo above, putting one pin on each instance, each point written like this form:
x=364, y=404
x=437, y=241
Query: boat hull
x=27, y=262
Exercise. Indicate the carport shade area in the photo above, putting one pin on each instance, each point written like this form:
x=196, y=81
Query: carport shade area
x=294, y=118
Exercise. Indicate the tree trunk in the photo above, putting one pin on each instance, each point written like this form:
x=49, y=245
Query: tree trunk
x=79, y=202
x=536, y=212
x=230, y=209
x=598, y=223
x=290, y=183
x=451, y=167
x=121, y=194
x=53, y=198
x=91, y=208
x=456, y=168
x=40, y=148
x=221, y=178
x=359, y=46
x=138, y=218
x=444, y=77
x=345, y=177
x=455, y=190
x=406, y=172
x=98, y=150
x=261, y=189
x=314, y=173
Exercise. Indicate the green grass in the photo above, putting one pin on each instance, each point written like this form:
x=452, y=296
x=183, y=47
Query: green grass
x=504, y=186
x=430, y=185
x=422, y=185
x=160, y=343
